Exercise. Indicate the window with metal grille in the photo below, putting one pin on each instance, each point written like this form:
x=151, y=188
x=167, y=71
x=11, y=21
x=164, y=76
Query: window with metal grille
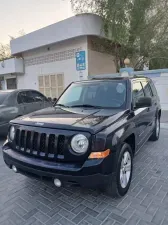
x=51, y=85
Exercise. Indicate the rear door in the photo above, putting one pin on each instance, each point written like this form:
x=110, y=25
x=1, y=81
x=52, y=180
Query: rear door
x=140, y=114
x=151, y=115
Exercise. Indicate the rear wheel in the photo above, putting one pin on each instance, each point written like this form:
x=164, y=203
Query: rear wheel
x=156, y=133
x=121, y=183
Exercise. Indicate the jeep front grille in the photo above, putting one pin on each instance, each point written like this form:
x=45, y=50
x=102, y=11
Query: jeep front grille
x=43, y=145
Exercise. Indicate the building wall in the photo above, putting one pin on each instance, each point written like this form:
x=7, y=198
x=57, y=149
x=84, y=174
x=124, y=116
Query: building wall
x=56, y=59
x=100, y=57
x=11, y=66
x=100, y=63
x=76, y=26
x=161, y=84
x=160, y=78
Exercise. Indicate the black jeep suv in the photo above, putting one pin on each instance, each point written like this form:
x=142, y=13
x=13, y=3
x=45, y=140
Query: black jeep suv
x=90, y=136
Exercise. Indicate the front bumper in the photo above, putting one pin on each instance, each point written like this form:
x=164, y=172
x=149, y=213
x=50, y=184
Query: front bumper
x=92, y=173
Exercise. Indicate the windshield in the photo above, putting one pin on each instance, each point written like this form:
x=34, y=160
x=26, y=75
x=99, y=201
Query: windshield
x=3, y=96
x=106, y=94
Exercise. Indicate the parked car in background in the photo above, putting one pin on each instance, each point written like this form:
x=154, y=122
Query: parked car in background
x=16, y=103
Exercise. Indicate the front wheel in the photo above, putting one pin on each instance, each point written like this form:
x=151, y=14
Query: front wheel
x=121, y=183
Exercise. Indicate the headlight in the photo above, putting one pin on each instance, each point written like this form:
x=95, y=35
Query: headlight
x=80, y=144
x=12, y=133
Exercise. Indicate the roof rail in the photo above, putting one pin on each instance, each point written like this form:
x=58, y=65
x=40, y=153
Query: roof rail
x=106, y=76
x=140, y=75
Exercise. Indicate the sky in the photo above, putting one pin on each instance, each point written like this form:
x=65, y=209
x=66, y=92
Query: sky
x=30, y=15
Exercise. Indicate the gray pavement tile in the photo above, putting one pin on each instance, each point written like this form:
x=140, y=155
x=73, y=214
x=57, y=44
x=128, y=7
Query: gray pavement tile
x=25, y=201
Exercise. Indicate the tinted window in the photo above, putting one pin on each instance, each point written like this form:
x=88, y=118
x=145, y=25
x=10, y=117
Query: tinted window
x=25, y=97
x=111, y=94
x=19, y=98
x=153, y=88
x=137, y=92
x=38, y=97
x=147, y=89
x=3, y=96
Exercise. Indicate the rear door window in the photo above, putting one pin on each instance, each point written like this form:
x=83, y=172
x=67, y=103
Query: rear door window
x=25, y=97
x=19, y=98
x=137, y=91
x=38, y=97
x=147, y=89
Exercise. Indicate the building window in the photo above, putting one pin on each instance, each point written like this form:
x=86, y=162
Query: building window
x=51, y=85
x=11, y=84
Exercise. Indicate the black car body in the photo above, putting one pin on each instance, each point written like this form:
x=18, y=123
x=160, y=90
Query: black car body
x=40, y=144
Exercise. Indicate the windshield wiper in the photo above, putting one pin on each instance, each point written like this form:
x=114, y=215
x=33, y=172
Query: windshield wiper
x=85, y=105
x=61, y=105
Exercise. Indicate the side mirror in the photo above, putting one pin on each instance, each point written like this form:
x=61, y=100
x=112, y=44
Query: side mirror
x=143, y=102
x=50, y=99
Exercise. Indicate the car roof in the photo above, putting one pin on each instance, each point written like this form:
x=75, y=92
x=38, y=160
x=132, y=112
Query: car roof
x=17, y=90
x=6, y=91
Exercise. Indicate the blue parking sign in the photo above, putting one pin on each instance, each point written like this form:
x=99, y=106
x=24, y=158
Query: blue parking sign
x=80, y=60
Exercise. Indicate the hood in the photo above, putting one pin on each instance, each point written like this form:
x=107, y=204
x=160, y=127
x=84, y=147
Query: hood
x=92, y=120
x=2, y=106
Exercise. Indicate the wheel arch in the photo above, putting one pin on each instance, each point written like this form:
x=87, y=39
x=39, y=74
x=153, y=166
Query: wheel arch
x=131, y=140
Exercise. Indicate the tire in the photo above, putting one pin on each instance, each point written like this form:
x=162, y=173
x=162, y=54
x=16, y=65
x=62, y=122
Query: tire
x=156, y=133
x=116, y=187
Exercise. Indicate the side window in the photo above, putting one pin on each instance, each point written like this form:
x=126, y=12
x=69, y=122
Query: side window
x=19, y=98
x=38, y=97
x=147, y=89
x=153, y=88
x=137, y=91
x=25, y=97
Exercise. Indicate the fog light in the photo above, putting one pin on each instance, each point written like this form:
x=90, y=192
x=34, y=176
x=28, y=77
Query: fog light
x=57, y=183
x=14, y=169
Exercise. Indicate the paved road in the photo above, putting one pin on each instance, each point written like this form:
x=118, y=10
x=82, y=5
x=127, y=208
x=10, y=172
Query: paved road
x=164, y=118
x=24, y=201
